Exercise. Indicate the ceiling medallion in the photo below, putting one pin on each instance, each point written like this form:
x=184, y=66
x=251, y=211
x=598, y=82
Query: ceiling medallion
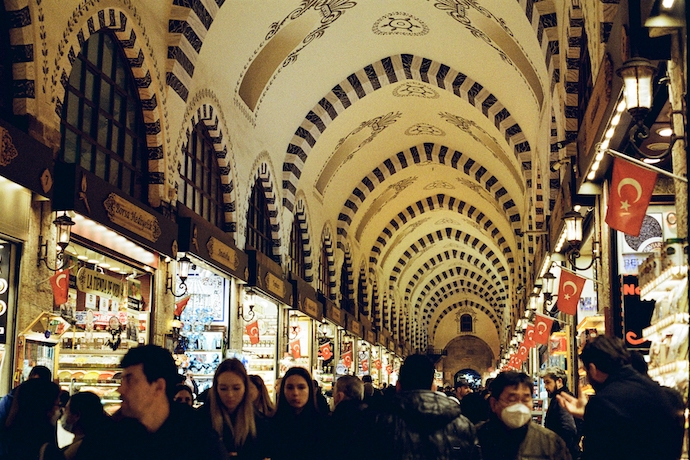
x=439, y=184
x=400, y=24
x=416, y=89
x=424, y=128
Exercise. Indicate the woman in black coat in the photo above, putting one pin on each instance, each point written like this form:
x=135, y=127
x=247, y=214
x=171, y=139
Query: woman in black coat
x=298, y=428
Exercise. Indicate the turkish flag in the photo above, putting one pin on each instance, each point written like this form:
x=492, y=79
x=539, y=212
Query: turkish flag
x=325, y=351
x=365, y=365
x=514, y=362
x=295, y=349
x=522, y=352
x=542, y=328
x=59, y=282
x=347, y=358
x=253, y=332
x=181, y=305
x=529, y=336
x=629, y=196
x=377, y=364
x=389, y=369
x=569, y=291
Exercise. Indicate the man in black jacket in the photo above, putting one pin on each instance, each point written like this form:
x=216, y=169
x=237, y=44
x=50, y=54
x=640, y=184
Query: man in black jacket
x=557, y=419
x=629, y=417
x=419, y=422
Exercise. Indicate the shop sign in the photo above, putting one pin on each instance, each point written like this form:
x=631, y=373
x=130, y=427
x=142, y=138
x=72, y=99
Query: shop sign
x=637, y=313
x=371, y=337
x=25, y=161
x=222, y=253
x=275, y=285
x=132, y=217
x=92, y=282
x=334, y=313
x=305, y=298
x=355, y=327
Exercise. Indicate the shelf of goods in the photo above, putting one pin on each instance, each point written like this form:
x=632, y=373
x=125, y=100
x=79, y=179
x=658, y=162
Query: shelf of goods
x=588, y=328
x=94, y=370
x=261, y=360
x=667, y=284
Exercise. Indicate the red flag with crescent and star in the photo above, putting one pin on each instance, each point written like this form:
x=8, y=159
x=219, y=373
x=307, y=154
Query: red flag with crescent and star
x=325, y=351
x=542, y=328
x=181, y=305
x=377, y=364
x=629, y=196
x=569, y=291
x=253, y=332
x=365, y=365
x=295, y=349
x=389, y=369
x=59, y=283
x=529, y=336
x=347, y=358
x=522, y=352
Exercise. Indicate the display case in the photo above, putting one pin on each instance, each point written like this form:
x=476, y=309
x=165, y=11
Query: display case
x=37, y=345
x=204, y=354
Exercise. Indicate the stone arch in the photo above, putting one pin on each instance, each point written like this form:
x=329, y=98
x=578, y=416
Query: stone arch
x=380, y=74
x=121, y=25
x=453, y=280
x=209, y=114
x=447, y=234
x=301, y=216
x=454, y=255
x=468, y=352
x=464, y=303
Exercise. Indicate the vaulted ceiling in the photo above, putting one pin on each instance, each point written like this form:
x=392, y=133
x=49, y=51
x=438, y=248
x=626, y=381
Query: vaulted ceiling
x=418, y=131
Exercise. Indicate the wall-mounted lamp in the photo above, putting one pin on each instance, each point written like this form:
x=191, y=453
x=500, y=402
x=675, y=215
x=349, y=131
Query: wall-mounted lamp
x=547, y=287
x=638, y=85
x=533, y=301
x=183, y=265
x=248, y=315
x=666, y=14
x=294, y=325
x=573, y=230
x=64, y=231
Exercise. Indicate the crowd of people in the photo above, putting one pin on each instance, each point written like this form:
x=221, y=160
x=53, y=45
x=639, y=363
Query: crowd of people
x=630, y=417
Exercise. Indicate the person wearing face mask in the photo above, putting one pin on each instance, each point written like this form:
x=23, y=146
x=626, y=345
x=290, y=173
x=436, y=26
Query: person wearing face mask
x=510, y=433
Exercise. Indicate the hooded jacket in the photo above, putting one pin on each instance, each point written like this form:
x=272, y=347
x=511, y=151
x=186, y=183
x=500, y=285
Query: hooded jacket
x=422, y=424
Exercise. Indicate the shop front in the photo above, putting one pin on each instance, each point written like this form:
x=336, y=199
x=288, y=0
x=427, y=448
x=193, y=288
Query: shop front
x=263, y=310
x=106, y=291
x=330, y=343
x=26, y=181
x=211, y=289
x=349, y=338
x=306, y=332
x=369, y=358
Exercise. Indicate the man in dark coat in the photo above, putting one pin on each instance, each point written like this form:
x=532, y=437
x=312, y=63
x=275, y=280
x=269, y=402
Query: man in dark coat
x=346, y=420
x=628, y=418
x=557, y=419
x=420, y=423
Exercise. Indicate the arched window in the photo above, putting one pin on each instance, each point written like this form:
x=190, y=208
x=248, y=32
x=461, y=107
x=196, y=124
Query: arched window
x=201, y=188
x=102, y=124
x=345, y=301
x=324, y=273
x=466, y=323
x=297, y=266
x=259, y=223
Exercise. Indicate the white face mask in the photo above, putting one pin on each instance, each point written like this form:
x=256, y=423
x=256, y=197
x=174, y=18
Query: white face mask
x=516, y=415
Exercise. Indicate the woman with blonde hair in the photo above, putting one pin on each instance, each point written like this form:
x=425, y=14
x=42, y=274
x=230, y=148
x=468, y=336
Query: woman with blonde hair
x=259, y=395
x=231, y=413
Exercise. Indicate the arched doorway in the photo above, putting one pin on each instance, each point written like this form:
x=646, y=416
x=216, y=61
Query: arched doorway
x=472, y=376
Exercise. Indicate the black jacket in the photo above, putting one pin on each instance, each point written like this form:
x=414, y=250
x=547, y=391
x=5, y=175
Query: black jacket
x=345, y=425
x=421, y=424
x=299, y=437
x=561, y=422
x=629, y=418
